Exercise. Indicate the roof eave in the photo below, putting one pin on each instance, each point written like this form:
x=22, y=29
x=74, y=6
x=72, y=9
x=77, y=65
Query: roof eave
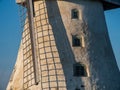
x=110, y=5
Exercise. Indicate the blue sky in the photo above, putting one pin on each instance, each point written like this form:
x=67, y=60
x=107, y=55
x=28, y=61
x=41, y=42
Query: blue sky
x=10, y=35
x=113, y=24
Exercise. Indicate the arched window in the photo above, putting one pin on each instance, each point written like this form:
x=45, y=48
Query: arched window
x=79, y=70
x=75, y=14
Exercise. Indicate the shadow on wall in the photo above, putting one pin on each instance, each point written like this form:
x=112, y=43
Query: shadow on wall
x=68, y=59
x=63, y=45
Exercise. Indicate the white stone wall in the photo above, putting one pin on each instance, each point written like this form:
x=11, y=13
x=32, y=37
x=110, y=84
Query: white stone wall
x=54, y=28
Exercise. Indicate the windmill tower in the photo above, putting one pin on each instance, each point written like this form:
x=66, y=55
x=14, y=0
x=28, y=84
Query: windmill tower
x=65, y=46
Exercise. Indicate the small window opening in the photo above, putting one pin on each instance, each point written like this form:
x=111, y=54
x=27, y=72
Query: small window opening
x=78, y=41
x=75, y=41
x=77, y=89
x=75, y=14
x=79, y=70
x=82, y=86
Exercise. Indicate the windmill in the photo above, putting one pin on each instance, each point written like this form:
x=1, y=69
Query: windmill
x=65, y=46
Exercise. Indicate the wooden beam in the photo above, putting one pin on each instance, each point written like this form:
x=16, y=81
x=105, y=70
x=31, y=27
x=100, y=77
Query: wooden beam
x=30, y=10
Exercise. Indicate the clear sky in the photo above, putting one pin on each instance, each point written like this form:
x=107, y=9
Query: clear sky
x=10, y=35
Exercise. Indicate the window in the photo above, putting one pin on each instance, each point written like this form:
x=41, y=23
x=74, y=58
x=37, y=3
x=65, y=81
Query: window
x=79, y=70
x=75, y=41
x=82, y=86
x=78, y=41
x=75, y=14
x=77, y=89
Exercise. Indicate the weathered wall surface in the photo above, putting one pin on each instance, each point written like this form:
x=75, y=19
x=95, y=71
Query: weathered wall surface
x=97, y=54
x=54, y=29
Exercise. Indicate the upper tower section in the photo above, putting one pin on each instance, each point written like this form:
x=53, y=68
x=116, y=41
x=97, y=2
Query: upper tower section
x=107, y=4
